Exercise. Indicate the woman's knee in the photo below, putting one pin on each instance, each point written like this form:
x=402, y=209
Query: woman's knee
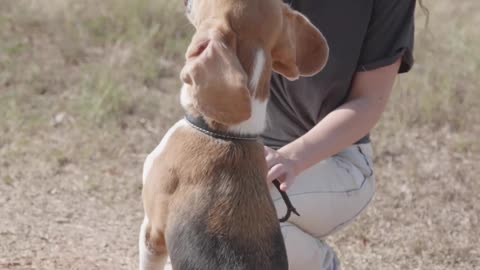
x=305, y=252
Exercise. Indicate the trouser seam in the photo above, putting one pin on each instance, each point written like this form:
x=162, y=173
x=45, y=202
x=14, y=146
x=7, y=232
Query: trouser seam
x=366, y=160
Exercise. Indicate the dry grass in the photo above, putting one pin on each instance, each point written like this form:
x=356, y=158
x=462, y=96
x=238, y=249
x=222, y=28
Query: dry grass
x=443, y=90
x=87, y=88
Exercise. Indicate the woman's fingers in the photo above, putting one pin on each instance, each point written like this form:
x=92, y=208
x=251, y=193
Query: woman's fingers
x=268, y=150
x=288, y=181
x=278, y=169
x=282, y=174
x=271, y=156
x=272, y=160
x=276, y=172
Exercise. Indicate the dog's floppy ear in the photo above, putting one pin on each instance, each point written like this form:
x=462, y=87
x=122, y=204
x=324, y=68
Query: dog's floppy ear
x=301, y=49
x=216, y=80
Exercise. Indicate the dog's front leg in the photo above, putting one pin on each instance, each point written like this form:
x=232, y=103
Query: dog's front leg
x=153, y=252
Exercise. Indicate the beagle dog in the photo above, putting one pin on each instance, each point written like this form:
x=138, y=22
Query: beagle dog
x=205, y=196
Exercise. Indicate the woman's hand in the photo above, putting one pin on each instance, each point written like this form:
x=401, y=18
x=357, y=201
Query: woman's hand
x=338, y=130
x=280, y=167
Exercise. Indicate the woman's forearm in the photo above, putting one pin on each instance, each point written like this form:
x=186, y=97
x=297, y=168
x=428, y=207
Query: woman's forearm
x=348, y=123
x=338, y=130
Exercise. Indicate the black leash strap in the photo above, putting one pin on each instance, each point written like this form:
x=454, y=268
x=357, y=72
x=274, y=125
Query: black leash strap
x=288, y=203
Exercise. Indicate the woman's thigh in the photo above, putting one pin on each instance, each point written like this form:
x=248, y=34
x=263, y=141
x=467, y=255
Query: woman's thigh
x=331, y=194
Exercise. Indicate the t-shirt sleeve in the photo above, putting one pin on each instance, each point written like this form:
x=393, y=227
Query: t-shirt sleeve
x=390, y=35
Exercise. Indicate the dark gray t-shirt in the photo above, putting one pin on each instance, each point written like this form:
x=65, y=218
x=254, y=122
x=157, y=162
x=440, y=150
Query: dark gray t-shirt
x=362, y=35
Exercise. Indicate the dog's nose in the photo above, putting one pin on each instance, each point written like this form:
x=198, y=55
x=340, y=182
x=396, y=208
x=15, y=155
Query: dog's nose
x=198, y=49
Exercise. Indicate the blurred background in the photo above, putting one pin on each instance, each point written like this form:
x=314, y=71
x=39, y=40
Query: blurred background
x=88, y=88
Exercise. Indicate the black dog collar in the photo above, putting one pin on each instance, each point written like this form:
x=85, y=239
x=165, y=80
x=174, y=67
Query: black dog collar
x=199, y=124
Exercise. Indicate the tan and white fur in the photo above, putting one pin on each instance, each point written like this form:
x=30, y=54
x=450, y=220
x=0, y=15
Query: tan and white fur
x=206, y=201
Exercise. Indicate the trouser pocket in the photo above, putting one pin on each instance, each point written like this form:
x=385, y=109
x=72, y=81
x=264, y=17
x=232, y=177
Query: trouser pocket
x=360, y=156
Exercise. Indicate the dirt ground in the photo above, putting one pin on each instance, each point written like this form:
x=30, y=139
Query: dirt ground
x=58, y=213
x=70, y=170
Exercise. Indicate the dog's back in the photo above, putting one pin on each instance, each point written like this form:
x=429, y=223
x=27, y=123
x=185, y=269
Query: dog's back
x=193, y=245
x=221, y=215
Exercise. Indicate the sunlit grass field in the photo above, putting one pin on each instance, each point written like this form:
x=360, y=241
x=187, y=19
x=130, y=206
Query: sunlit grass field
x=87, y=89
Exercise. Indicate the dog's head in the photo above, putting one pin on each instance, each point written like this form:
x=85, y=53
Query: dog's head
x=236, y=46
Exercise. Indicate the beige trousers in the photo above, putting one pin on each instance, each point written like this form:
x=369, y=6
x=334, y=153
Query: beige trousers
x=328, y=196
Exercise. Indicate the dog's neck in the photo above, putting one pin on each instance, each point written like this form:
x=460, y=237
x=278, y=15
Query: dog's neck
x=254, y=126
x=256, y=123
